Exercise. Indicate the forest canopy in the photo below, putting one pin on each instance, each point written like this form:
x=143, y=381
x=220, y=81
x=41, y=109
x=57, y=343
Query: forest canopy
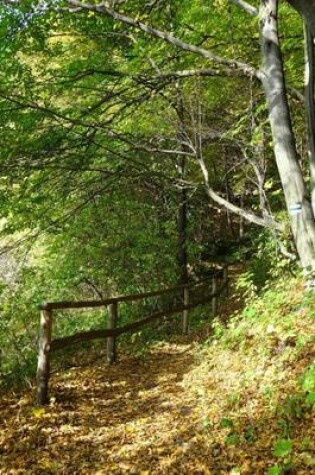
x=142, y=141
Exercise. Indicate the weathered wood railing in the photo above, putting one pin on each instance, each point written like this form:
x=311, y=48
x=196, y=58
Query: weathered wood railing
x=48, y=345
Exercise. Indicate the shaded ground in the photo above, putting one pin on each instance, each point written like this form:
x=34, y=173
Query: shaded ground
x=131, y=417
x=152, y=416
x=182, y=408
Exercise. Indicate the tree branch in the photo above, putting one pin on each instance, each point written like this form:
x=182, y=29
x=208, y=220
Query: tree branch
x=246, y=6
x=205, y=72
x=264, y=222
x=102, y=8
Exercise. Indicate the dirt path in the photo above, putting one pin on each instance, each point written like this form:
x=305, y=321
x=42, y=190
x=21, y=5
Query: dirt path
x=174, y=411
x=135, y=417
x=161, y=414
x=132, y=417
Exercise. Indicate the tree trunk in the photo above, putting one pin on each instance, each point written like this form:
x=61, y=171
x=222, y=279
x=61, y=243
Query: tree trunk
x=182, y=235
x=310, y=103
x=182, y=205
x=295, y=191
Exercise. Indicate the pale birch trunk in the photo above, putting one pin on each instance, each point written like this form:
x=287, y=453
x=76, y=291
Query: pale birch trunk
x=295, y=191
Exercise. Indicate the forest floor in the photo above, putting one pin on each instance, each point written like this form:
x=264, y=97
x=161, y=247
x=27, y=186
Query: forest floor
x=233, y=405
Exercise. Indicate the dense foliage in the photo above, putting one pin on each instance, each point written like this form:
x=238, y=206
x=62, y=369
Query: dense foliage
x=110, y=131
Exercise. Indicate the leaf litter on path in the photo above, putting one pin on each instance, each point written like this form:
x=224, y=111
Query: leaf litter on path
x=179, y=410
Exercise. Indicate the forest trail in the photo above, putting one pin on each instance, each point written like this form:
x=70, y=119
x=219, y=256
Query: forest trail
x=181, y=407
x=161, y=414
x=132, y=417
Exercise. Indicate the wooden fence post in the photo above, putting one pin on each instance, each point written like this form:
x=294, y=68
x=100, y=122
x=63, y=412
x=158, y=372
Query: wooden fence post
x=111, y=340
x=43, y=366
x=185, y=312
x=214, y=298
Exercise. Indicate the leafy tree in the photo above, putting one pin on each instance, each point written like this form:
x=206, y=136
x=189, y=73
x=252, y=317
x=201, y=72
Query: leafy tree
x=130, y=108
x=298, y=204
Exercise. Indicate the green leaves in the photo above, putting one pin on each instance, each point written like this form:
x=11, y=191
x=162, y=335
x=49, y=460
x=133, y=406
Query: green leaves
x=275, y=470
x=308, y=385
x=282, y=447
x=308, y=380
x=226, y=423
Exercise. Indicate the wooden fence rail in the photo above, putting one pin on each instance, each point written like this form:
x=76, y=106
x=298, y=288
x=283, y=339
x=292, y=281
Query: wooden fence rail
x=68, y=305
x=48, y=345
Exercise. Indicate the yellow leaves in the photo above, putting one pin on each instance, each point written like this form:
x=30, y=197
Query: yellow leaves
x=235, y=471
x=220, y=4
x=145, y=417
x=25, y=401
x=47, y=463
x=135, y=337
x=308, y=459
x=38, y=412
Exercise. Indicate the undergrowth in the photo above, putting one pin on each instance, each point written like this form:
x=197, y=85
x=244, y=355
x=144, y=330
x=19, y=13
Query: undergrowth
x=262, y=361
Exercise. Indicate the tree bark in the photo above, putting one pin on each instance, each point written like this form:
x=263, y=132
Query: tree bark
x=310, y=103
x=182, y=226
x=182, y=205
x=295, y=191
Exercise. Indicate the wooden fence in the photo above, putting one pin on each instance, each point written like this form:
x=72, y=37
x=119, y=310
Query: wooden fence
x=47, y=345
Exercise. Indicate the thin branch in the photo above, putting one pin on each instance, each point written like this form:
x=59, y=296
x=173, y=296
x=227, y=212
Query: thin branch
x=104, y=9
x=246, y=6
x=264, y=222
x=296, y=94
x=206, y=72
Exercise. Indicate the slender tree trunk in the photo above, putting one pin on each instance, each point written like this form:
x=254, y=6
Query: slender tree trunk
x=228, y=191
x=241, y=223
x=310, y=103
x=182, y=226
x=182, y=205
x=295, y=191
